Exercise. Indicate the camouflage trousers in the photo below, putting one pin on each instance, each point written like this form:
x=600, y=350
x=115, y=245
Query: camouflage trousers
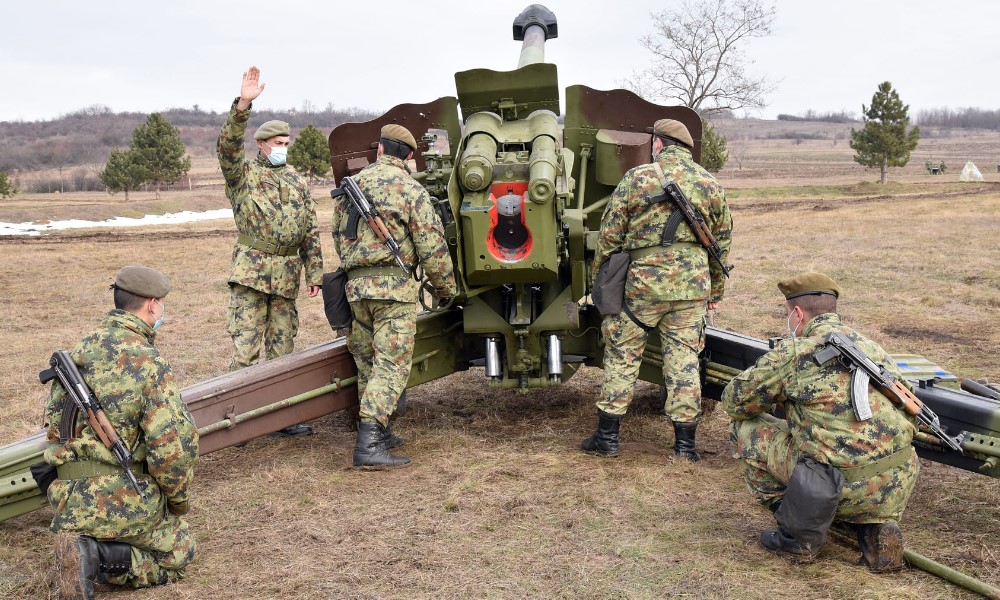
x=681, y=325
x=767, y=453
x=381, y=341
x=256, y=318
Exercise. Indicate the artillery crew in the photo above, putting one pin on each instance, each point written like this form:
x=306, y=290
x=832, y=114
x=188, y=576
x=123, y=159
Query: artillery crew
x=830, y=460
x=669, y=285
x=382, y=295
x=107, y=532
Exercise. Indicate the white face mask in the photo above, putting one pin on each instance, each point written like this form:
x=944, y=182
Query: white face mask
x=278, y=155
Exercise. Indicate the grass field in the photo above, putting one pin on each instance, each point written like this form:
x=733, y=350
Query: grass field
x=499, y=502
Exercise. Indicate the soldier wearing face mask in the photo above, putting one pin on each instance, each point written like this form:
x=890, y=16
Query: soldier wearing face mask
x=278, y=236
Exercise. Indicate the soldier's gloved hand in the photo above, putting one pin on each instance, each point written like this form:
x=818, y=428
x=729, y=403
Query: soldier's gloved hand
x=178, y=508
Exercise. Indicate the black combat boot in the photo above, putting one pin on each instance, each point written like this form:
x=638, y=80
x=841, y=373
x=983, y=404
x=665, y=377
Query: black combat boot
x=684, y=441
x=391, y=439
x=291, y=430
x=82, y=561
x=778, y=542
x=604, y=442
x=371, y=451
x=881, y=546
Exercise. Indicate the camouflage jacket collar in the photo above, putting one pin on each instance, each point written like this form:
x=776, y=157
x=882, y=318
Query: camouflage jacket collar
x=126, y=320
x=674, y=150
x=820, y=324
x=393, y=161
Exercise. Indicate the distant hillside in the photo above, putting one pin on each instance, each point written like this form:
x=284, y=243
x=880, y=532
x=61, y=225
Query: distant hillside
x=81, y=141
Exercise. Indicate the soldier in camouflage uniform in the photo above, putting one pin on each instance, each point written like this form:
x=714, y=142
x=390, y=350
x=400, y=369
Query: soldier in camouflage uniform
x=668, y=288
x=871, y=461
x=383, y=297
x=276, y=220
x=106, y=532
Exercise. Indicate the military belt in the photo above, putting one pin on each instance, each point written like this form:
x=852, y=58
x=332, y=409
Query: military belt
x=85, y=469
x=638, y=253
x=267, y=246
x=386, y=271
x=866, y=472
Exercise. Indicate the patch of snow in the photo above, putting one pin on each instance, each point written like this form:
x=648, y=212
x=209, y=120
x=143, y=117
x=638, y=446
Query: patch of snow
x=186, y=216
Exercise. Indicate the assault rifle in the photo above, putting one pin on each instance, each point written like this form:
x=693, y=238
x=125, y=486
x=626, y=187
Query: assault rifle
x=839, y=346
x=363, y=208
x=61, y=366
x=672, y=192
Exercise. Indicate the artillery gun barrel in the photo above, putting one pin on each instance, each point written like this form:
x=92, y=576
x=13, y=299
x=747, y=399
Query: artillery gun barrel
x=532, y=27
x=533, y=46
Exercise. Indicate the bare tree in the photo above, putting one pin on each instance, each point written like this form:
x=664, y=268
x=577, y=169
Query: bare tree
x=697, y=57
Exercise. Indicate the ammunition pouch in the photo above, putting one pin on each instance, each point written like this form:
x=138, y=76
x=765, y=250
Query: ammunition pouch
x=608, y=293
x=267, y=246
x=810, y=502
x=335, y=305
x=44, y=474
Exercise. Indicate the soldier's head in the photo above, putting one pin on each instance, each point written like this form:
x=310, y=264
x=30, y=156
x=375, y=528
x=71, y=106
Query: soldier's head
x=806, y=296
x=273, y=141
x=668, y=132
x=397, y=141
x=140, y=291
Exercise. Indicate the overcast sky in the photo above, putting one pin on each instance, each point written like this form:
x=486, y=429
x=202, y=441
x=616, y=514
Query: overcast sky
x=59, y=56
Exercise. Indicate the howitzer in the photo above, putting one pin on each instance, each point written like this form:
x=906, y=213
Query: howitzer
x=62, y=367
x=362, y=208
x=840, y=347
x=673, y=192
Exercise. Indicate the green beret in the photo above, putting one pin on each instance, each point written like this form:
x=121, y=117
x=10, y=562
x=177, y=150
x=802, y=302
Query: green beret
x=142, y=281
x=270, y=129
x=808, y=283
x=399, y=133
x=674, y=130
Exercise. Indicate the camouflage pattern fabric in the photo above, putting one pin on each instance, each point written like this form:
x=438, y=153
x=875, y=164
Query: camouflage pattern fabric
x=820, y=424
x=682, y=271
x=681, y=326
x=405, y=207
x=137, y=390
x=255, y=317
x=385, y=305
x=384, y=355
x=668, y=289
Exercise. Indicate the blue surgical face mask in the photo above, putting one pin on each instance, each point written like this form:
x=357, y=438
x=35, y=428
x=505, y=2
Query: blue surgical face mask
x=788, y=322
x=278, y=155
x=163, y=313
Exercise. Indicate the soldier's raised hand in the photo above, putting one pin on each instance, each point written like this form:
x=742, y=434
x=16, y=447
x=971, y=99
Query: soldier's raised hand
x=252, y=87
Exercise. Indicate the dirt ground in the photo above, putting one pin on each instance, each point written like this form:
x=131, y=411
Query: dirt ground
x=499, y=502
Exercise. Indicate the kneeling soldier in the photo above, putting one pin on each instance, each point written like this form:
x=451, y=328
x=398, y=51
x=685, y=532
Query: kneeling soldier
x=836, y=457
x=107, y=531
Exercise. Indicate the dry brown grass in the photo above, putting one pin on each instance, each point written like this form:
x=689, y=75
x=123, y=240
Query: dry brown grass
x=499, y=502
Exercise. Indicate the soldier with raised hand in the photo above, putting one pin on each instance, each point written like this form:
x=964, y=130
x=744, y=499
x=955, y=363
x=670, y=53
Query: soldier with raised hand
x=106, y=531
x=278, y=236
x=828, y=461
x=669, y=286
x=383, y=296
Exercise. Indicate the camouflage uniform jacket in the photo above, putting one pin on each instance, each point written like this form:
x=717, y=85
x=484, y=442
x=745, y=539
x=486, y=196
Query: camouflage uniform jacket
x=405, y=207
x=271, y=204
x=817, y=400
x=137, y=390
x=682, y=271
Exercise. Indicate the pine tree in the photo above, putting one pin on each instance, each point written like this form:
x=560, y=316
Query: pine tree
x=7, y=189
x=122, y=173
x=157, y=150
x=713, y=148
x=310, y=153
x=884, y=141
